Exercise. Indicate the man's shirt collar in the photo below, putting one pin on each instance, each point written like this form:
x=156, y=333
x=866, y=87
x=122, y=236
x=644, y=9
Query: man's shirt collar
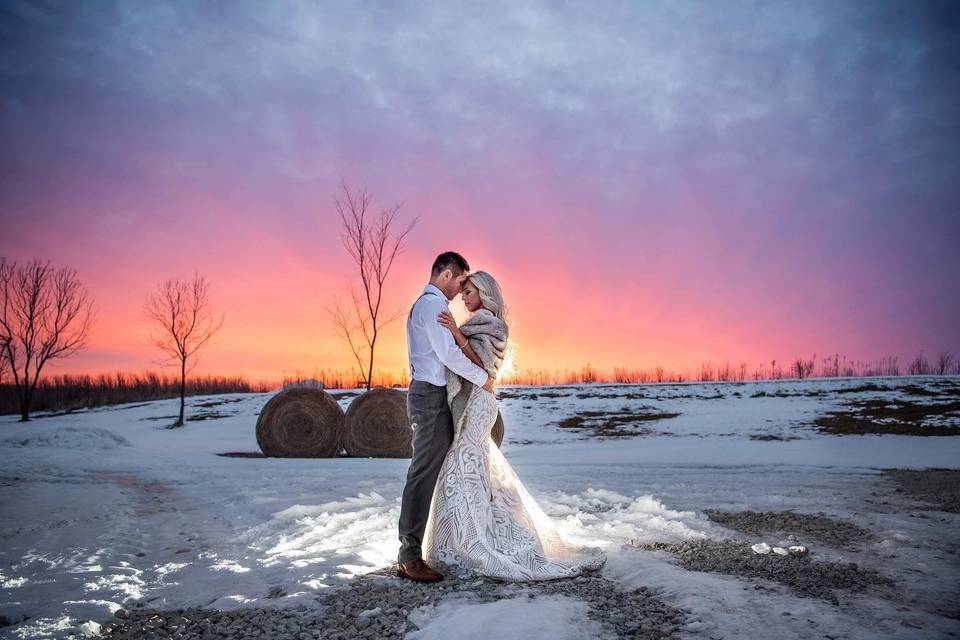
x=432, y=288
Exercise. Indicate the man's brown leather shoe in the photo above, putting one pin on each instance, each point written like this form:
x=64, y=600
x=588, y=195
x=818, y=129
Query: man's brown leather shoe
x=418, y=571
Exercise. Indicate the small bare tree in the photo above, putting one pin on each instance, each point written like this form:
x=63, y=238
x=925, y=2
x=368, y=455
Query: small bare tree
x=831, y=366
x=724, y=372
x=4, y=365
x=373, y=245
x=803, y=368
x=889, y=366
x=775, y=372
x=944, y=361
x=706, y=372
x=919, y=366
x=182, y=323
x=45, y=314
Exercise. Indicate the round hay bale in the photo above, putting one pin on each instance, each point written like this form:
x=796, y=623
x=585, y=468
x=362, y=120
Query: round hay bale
x=497, y=432
x=376, y=425
x=301, y=422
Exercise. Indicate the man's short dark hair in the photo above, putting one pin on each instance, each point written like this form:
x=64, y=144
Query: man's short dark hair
x=449, y=260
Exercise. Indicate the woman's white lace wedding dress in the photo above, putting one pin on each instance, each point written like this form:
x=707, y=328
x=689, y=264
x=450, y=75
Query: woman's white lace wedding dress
x=483, y=521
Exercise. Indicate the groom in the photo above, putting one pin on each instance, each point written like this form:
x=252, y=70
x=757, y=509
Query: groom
x=430, y=347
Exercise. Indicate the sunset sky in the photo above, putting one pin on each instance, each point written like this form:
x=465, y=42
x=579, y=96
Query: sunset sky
x=651, y=182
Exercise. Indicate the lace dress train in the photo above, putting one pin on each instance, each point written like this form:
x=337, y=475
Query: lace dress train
x=483, y=521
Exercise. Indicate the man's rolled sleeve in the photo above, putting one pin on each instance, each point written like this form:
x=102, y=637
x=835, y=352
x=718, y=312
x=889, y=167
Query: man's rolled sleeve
x=441, y=340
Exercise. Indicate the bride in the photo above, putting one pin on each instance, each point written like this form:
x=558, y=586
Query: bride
x=482, y=520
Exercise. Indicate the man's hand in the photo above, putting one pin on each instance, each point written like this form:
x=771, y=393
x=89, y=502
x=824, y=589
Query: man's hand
x=488, y=385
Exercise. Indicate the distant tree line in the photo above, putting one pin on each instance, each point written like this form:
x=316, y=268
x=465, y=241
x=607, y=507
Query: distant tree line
x=72, y=392
x=68, y=392
x=834, y=366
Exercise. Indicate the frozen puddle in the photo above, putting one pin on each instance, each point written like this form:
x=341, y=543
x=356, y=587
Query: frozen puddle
x=533, y=616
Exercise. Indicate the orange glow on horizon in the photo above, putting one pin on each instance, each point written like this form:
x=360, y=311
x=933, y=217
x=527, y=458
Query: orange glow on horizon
x=278, y=328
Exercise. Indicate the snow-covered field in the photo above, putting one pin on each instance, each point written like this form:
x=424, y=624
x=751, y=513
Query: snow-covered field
x=105, y=508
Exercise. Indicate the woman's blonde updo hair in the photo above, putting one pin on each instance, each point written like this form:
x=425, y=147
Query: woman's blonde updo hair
x=490, y=294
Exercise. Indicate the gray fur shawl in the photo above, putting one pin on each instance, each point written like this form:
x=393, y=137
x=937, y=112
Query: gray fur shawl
x=488, y=336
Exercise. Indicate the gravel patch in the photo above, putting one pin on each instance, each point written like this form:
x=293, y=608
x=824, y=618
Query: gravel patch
x=377, y=605
x=805, y=576
x=831, y=531
x=636, y=613
x=938, y=486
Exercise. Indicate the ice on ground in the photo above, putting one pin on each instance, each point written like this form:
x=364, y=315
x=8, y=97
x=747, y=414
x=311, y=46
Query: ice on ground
x=84, y=438
x=520, y=618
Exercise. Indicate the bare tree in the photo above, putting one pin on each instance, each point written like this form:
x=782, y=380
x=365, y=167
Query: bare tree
x=725, y=372
x=4, y=365
x=831, y=366
x=182, y=323
x=706, y=372
x=371, y=242
x=889, y=366
x=776, y=372
x=944, y=360
x=45, y=314
x=803, y=368
x=920, y=366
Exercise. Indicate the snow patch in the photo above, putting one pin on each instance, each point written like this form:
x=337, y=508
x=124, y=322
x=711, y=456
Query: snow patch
x=601, y=515
x=361, y=527
x=86, y=438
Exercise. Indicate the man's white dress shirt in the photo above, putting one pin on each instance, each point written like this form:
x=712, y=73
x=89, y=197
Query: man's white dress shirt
x=430, y=345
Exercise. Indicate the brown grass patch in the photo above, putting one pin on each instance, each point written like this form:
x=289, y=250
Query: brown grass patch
x=615, y=424
x=886, y=416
